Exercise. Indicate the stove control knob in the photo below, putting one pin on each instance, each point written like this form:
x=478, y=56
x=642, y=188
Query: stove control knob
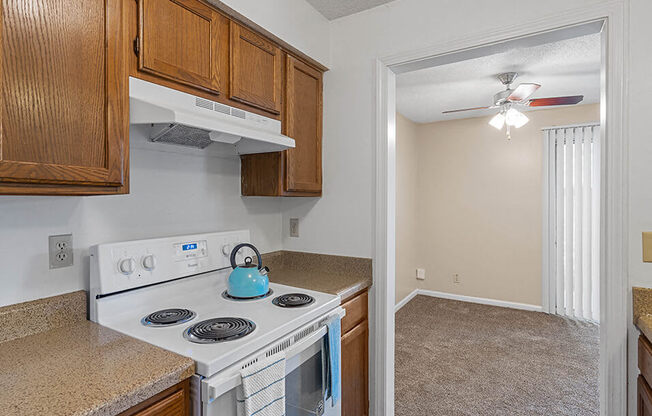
x=149, y=262
x=226, y=249
x=127, y=266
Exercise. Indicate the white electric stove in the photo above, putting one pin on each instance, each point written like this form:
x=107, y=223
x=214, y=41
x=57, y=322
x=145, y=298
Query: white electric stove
x=171, y=292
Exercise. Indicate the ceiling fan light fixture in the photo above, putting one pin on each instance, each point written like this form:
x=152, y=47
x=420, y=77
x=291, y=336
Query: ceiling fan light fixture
x=515, y=118
x=497, y=121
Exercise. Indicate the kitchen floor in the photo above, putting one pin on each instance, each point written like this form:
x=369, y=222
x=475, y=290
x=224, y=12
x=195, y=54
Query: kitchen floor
x=457, y=358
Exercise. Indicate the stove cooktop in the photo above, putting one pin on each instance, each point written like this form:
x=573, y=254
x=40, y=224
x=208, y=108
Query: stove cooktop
x=293, y=300
x=222, y=331
x=168, y=317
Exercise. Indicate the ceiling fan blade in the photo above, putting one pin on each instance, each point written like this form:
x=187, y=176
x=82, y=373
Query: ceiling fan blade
x=541, y=102
x=465, y=109
x=523, y=91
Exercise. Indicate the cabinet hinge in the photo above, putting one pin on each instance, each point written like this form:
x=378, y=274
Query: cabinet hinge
x=137, y=46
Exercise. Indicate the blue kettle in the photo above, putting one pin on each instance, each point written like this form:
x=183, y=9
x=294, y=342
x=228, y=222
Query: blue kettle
x=249, y=280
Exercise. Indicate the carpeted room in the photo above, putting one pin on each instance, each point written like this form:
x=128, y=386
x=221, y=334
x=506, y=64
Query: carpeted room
x=479, y=330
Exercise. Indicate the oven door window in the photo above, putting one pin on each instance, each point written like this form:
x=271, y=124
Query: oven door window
x=305, y=387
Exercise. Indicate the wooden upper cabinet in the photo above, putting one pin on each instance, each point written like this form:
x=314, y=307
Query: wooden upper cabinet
x=64, y=112
x=297, y=171
x=255, y=70
x=303, y=123
x=180, y=40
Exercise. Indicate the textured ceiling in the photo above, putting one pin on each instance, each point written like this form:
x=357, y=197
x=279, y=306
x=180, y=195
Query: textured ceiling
x=332, y=9
x=569, y=67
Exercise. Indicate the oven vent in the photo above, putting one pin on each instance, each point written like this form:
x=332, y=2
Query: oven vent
x=249, y=363
x=278, y=348
x=283, y=345
x=301, y=335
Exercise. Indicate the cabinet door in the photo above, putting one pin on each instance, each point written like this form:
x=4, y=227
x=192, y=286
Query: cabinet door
x=355, y=373
x=303, y=123
x=644, y=398
x=174, y=401
x=255, y=70
x=64, y=112
x=179, y=40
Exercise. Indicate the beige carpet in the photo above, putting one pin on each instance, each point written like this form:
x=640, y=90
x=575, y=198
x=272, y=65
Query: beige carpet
x=456, y=358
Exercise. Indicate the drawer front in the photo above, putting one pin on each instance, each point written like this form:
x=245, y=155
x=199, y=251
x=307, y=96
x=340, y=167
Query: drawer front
x=645, y=358
x=356, y=312
x=173, y=405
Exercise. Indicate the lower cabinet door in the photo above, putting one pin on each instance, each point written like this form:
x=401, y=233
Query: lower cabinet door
x=644, y=398
x=174, y=401
x=355, y=371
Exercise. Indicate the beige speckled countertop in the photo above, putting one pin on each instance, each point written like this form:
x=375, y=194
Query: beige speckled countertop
x=343, y=276
x=642, y=303
x=81, y=368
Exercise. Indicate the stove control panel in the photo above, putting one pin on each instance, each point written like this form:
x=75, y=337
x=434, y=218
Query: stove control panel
x=121, y=266
x=190, y=250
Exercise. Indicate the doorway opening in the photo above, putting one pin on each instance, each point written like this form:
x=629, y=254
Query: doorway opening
x=612, y=309
x=469, y=213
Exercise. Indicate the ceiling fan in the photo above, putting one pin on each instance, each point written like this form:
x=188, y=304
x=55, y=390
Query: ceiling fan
x=510, y=99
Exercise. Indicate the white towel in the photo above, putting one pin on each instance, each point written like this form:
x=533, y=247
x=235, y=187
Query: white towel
x=262, y=392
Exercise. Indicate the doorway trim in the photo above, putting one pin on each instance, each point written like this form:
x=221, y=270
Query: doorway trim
x=614, y=204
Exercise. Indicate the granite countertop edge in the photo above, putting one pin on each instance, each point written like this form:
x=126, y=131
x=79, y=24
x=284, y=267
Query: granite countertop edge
x=104, y=356
x=644, y=324
x=117, y=405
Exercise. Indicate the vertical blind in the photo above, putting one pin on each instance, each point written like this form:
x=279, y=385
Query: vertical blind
x=574, y=193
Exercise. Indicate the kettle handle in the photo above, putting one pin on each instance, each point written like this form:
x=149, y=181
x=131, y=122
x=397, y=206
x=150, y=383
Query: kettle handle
x=251, y=246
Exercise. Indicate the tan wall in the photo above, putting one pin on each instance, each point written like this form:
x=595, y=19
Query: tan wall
x=406, y=205
x=478, y=205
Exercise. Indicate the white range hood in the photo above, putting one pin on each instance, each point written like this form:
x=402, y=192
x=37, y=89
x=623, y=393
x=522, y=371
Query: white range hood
x=183, y=119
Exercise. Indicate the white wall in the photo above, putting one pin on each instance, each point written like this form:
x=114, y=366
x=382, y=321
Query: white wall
x=349, y=104
x=640, y=160
x=407, y=25
x=294, y=21
x=171, y=193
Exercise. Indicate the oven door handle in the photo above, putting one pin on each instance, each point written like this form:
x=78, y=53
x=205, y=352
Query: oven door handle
x=224, y=384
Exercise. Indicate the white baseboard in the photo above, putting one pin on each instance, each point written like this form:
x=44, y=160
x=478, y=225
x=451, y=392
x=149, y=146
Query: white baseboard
x=406, y=300
x=472, y=299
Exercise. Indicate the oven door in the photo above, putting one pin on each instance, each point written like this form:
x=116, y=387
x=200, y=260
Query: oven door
x=306, y=381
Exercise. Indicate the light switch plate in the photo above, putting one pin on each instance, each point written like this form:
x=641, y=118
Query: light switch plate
x=421, y=274
x=647, y=246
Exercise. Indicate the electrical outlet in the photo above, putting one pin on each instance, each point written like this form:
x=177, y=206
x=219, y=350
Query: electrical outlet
x=294, y=227
x=421, y=274
x=456, y=279
x=647, y=247
x=60, y=250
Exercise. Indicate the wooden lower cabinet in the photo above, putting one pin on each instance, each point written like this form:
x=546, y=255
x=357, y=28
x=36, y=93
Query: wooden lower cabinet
x=355, y=358
x=644, y=398
x=174, y=401
x=644, y=393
